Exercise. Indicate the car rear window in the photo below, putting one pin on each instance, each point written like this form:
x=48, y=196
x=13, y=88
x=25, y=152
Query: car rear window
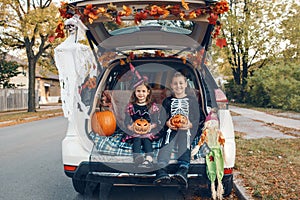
x=172, y=26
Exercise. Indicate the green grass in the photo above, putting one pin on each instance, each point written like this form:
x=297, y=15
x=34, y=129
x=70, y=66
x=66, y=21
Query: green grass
x=7, y=116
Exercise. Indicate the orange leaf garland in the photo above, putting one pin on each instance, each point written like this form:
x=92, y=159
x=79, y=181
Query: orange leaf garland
x=139, y=16
x=192, y=15
x=101, y=10
x=119, y=20
x=183, y=59
x=221, y=42
x=221, y=7
x=91, y=13
x=126, y=11
x=122, y=62
x=51, y=38
x=213, y=18
x=60, y=30
x=175, y=10
x=185, y=5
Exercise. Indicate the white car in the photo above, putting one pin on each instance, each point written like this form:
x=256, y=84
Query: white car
x=156, y=39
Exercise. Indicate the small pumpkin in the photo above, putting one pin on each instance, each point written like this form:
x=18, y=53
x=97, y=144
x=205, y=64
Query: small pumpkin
x=104, y=123
x=141, y=126
x=179, y=121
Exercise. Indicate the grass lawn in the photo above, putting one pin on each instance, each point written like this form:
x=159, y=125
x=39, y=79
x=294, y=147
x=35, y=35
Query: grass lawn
x=18, y=117
x=270, y=168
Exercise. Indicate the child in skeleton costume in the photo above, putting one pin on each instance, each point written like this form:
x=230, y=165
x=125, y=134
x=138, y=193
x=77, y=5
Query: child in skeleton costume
x=182, y=119
x=141, y=118
x=213, y=137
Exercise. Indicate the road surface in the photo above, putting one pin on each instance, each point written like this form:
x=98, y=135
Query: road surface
x=31, y=167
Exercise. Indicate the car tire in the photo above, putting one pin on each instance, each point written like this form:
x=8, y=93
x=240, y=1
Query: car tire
x=79, y=185
x=227, y=184
x=104, y=190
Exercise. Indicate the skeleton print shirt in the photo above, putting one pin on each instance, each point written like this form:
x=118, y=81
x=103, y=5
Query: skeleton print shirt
x=187, y=106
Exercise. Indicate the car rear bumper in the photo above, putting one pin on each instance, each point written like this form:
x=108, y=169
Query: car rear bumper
x=111, y=173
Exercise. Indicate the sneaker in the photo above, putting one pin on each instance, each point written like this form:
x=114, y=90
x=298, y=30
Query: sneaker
x=181, y=176
x=162, y=177
x=146, y=164
x=139, y=159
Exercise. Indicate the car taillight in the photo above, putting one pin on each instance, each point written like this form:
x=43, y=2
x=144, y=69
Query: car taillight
x=228, y=170
x=70, y=168
x=221, y=99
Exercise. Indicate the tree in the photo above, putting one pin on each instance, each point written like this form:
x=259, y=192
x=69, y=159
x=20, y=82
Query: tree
x=8, y=69
x=251, y=30
x=276, y=86
x=291, y=34
x=27, y=25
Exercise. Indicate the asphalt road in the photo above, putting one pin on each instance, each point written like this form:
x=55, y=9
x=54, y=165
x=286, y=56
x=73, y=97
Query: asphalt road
x=31, y=167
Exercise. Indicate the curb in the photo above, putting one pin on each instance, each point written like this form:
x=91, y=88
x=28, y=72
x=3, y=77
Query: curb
x=29, y=119
x=240, y=191
x=6, y=123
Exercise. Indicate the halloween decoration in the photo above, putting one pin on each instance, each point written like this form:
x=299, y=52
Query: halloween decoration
x=141, y=126
x=213, y=137
x=104, y=123
x=179, y=121
x=179, y=107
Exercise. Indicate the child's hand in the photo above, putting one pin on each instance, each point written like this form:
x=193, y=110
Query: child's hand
x=168, y=123
x=130, y=127
x=187, y=126
x=152, y=126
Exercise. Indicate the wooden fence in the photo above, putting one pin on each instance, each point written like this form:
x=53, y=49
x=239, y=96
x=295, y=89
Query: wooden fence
x=14, y=99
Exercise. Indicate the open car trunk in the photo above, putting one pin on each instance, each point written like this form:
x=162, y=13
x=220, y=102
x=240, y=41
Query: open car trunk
x=155, y=39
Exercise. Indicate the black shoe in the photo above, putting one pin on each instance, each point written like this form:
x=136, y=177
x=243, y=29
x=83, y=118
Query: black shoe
x=147, y=164
x=162, y=177
x=181, y=176
x=139, y=159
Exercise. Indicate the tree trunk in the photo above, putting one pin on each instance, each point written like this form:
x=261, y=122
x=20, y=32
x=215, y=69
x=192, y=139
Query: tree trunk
x=31, y=85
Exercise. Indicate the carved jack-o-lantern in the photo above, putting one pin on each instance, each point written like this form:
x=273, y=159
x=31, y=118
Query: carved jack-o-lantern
x=141, y=126
x=179, y=121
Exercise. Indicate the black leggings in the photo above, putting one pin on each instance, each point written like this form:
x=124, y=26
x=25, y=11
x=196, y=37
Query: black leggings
x=139, y=142
x=184, y=154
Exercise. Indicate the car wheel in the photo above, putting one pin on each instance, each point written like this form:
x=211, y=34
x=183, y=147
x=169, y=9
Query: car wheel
x=104, y=190
x=79, y=185
x=227, y=184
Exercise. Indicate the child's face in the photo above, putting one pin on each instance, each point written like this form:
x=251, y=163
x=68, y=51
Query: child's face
x=141, y=93
x=178, y=86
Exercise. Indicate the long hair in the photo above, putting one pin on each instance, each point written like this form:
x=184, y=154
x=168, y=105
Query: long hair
x=134, y=99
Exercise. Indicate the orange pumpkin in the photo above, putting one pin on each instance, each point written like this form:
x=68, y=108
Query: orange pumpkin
x=141, y=126
x=179, y=121
x=104, y=123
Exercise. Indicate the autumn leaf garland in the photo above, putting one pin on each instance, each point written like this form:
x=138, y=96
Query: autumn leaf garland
x=91, y=13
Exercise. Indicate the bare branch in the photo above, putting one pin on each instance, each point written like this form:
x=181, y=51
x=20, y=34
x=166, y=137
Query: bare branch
x=15, y=37
x=33, y=4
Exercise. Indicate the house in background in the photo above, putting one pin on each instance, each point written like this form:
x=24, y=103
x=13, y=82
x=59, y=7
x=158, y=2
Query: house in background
x=48, y=88
x=46, y=82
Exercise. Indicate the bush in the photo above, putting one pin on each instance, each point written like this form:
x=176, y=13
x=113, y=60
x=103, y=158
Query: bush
x=234, y=92
x=276, y=86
